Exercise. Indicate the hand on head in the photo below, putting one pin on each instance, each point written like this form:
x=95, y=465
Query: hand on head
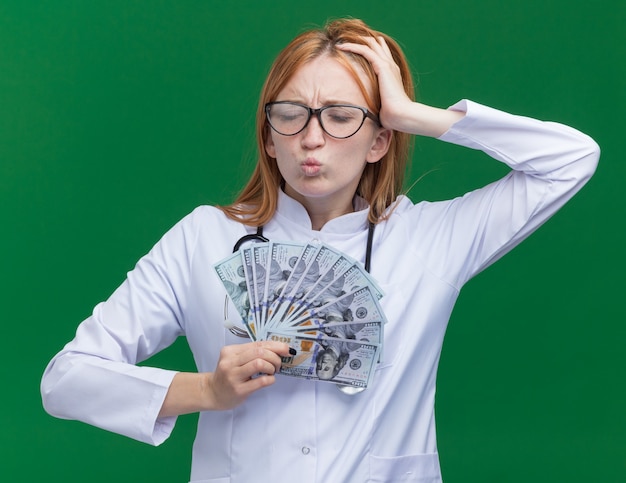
x=394, y=99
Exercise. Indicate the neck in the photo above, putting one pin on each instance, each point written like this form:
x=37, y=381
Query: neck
x=322, y=213
x=319, y=219
x=322, y=210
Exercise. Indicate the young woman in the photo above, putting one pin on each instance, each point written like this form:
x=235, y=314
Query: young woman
x=335, y=120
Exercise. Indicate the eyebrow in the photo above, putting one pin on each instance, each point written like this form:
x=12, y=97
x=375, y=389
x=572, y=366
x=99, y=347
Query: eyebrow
x=329, y=102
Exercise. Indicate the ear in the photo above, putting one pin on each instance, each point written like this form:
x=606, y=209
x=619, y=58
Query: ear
x=270, y=149
x=380, y=146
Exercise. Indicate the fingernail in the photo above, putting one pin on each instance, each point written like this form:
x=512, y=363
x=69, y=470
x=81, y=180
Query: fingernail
x=292, y=351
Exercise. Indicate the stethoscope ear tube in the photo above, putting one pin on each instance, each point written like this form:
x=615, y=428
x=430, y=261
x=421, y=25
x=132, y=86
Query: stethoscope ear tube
x=251, y=237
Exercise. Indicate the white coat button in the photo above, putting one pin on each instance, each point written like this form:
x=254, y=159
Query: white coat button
x=305, y=450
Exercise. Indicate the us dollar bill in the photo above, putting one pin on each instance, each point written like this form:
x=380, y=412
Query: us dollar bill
x=315, y=296
x=325, y=267
x=231, y=273
x=259, y=268
x=341, y=361
x=346, y=281
x=359, y=305
x=281, y=304
x=370, y=332
x=248, y=268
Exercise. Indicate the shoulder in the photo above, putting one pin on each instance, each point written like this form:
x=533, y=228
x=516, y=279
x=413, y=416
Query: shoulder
x=207, y=225
x=209, y=218
x=403, y=209
x=422, y=220
x=206, y=217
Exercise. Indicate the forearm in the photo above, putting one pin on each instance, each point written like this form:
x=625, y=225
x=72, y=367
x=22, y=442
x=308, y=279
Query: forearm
x=115, y=396
x=188, y=393
x=550, y=163
x=544, y=149
x=423, y=120
x=241, y=370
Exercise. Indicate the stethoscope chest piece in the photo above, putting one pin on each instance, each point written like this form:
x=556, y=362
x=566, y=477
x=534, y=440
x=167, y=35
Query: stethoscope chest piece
x=349, y=390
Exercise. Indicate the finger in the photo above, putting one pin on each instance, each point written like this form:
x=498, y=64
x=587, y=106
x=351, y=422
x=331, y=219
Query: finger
x=264, y=351
x=232, y=379
x=239, y=354
x=377, y=45
x=360, y=49
x=383, y=43
x=275, y=346
x=258, y=383
x=257, y=366
x=229, y=392
x=372, y=52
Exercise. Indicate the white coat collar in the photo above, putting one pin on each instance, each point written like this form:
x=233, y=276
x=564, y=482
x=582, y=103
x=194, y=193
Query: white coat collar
x=349, y=223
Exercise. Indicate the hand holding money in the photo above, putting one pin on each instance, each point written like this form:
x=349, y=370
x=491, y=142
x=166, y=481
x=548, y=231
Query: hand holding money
x=243, y=369
x=319, y=301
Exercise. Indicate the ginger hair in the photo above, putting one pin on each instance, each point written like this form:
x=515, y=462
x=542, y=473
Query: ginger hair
x=381, y=182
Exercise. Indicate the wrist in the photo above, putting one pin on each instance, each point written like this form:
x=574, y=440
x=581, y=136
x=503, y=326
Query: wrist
x=423, y=120
x=207, y=390
x=188, y=393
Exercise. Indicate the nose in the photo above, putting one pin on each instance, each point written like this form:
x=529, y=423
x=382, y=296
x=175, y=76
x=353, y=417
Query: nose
x=313, y=134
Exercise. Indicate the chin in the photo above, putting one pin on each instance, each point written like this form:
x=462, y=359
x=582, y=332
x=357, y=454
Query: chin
x=305, y=189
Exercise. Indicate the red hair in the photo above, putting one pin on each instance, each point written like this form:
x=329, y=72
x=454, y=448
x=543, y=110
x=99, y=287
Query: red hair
x=382, y=181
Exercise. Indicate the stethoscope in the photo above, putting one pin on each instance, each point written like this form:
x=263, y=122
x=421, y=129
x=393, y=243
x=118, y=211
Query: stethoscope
x=259, y=238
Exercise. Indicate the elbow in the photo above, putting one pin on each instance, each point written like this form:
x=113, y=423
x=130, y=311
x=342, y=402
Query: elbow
x=584, y=155
x=51, y=394
x=47, y=401
x=590, y=157
x=48, y=394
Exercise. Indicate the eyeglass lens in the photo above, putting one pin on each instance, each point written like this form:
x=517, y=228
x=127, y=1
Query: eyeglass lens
x=338, y=121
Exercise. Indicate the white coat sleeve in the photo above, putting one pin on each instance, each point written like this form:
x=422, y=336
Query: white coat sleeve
x=95, y=378
x=550, y=162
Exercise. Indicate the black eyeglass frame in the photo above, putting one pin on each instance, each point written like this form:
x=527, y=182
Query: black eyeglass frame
x=318, y=113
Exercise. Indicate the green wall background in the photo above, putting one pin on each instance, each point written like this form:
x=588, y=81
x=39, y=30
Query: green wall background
x=117, y=118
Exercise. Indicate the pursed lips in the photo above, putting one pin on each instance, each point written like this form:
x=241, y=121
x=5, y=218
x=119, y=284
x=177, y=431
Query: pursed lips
x=311, y=166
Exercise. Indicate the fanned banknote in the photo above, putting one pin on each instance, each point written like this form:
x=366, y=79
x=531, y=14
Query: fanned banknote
x=320, y=301
x=343, y=361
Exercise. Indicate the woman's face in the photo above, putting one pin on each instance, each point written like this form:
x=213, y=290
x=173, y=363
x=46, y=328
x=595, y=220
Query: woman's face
x=320, y=171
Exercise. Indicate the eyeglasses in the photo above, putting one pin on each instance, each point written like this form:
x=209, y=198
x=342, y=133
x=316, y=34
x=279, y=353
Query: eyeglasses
x=337, y=120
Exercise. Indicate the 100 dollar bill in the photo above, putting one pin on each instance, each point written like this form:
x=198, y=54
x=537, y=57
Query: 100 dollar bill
x=341, y=361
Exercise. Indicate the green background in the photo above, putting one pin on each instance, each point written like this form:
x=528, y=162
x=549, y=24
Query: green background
x=119, y=117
